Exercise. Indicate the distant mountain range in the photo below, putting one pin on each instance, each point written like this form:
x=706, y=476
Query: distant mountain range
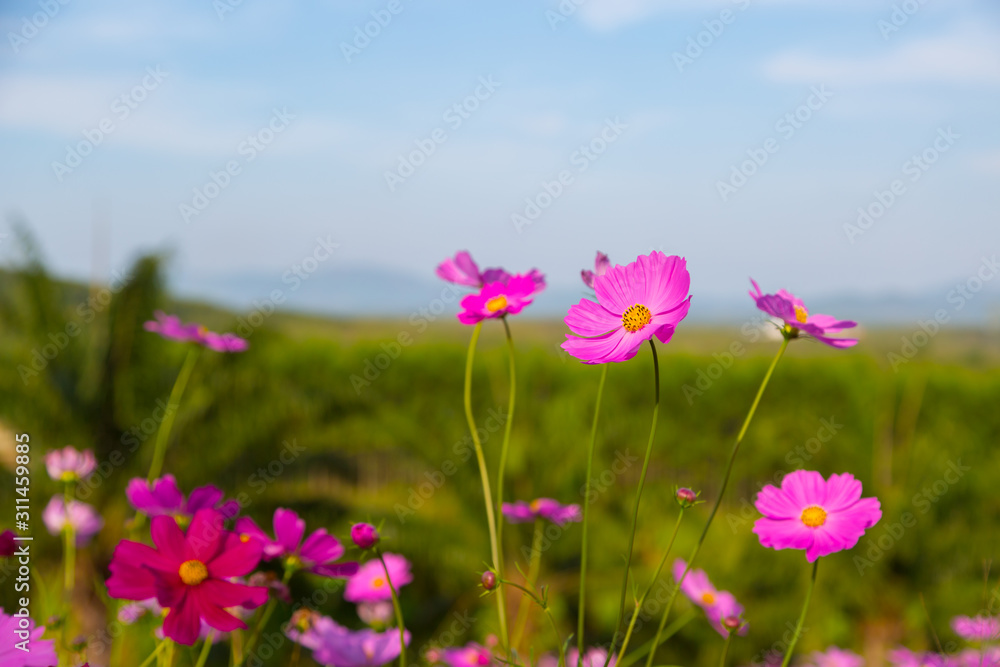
x=368, y=292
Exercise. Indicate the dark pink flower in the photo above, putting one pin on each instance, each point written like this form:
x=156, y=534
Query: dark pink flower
x=189, y=574
x=601, y=266
x=646, y=298
x=7, y=543
x=364, y=535
x=814, y=514
x=69, y=465
x=42, y=653
x=170, y=327
x=316, y=554
x=83, y=518
x=836, y=657
x=470, y=655
x=980, y=628
x=541, y=508
x=501, y=297
x=335, y=645
x=164, y=497
x=792, y=311
x=370, y=584
x=462, y=270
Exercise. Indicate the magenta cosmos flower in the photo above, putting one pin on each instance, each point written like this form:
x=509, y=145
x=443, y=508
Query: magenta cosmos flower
x=316, y=554
x=163, y=497
x=980, y=628
x=463, y=270
x=83, y=518
x=370, y=585
x=836, y=657
x=541, y=508
x=8, y=546
x=39, y=654
x=336, y=646
x=69, y=465
x=718, y=605
x=171, y=328
x=646, y=298
x=500, y=298
x=792, y=311
x=601, y=266
x=820, y=516
x=364, y=535
x=189, y=574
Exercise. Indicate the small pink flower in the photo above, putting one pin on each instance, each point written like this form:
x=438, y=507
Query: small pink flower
x=85, y=521
x=42, y=653
x=69, y=465
x=601, y=266
x=375, y=613
x=470, y=655
x=317, y=553
x=364, y=535
x=836, y=657
x=171, y=328
x=541, y=508
x=462, y=270
x=814, y=514
x=7, y=543
x=696, y=585
x=980, y=628
x=500, y=298
x=370, y=584
x=646, y=298
x=333, y=644
x=727, y=608
x=163, y=496
x=792, y=311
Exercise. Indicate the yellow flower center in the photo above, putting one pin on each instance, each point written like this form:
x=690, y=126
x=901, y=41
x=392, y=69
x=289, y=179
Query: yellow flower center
x=636, y=317
x=801, y=314
x=193, y=572
x=68, y=476
x=534, y=505
x=708, y=598
x=378, y=582
x=244, y=538
x=496, y=303
x=814, y=516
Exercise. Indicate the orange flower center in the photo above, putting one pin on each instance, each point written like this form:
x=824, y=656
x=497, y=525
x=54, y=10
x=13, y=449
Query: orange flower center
x=801, y=314
x=378, y=582
x=814, y=516
x=636, y=317
x=496, y=303
x=708, y=598
x=534, y=505
x=193, y=572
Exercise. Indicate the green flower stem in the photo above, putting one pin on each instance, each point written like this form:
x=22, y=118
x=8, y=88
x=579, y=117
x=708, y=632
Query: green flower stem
x=533, y=567
x=802, y=616
x=725, y=649
x=581, y=612
x=205, y=648
x=163, y=433
x=396, y=608
x=265, y=617
x=652, y=582
x=487, y=495
x=544, y=605
x=503, y=457
x=671, y=630
x=638, y=494
x=154, y=654
x=721, y=494
x=69, y=544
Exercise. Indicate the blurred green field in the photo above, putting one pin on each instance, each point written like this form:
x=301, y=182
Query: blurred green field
x=371, y=443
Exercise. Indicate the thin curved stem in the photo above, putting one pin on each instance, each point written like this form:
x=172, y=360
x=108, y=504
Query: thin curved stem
x=586, y=513
x=205, y=648
x=396, y=608
x=544, y=606
x=154, y=654
x=652, y=582
x=671, y=630
x=725, y=649
x=533, y=567
x=802, y=616
x=264, y=618
x=163, y=433
x=638, y=495
x=503, y=457
x=487, y=495
x=722, y=492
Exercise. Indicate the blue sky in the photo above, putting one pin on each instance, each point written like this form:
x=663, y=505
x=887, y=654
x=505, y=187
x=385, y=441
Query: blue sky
x=673, y=130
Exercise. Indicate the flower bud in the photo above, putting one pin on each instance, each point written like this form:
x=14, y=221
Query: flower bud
x=685, y=497
x=489, y=580
x=732, y=623
x=364, y=535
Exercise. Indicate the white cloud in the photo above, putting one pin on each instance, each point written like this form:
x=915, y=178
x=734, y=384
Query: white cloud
x=967, y=55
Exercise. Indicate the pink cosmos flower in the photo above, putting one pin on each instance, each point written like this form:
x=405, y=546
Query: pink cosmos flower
x=601, y=266
x=980, y=628
x=726, y=607
x=42, y=653
x=189, y=574
x=646, y=298
x=501, y=297
x=592, y=657
x=820, y=516
x=316, y=554
x=364, y=535
x=69, y=465
x=904, y=657
x=8, y=546
x=541, y=508
x=470, y=655
x=717, y=604
x=463, y=270
x=163, y=497
x=83, y=518
x=792, y=311
x=171, y=328
x=370, y=585
x=336, y=646
x=836, y=657
x=375, y=613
